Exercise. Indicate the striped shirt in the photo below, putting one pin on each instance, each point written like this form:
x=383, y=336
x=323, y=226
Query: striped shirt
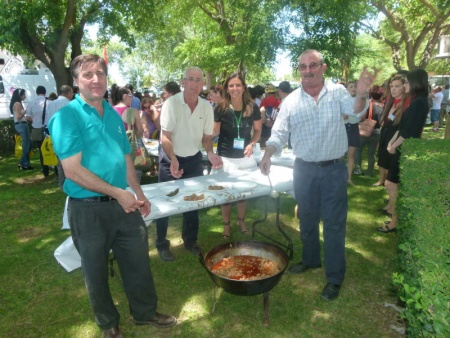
x=317, y=128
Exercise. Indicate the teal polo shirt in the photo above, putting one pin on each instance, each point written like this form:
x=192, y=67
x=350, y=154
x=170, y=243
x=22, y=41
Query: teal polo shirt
x=103, y=142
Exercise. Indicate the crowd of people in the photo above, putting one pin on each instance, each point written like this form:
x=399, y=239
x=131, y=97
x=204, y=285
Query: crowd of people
x=400, y=111
x=319, y=121
x=38, y=114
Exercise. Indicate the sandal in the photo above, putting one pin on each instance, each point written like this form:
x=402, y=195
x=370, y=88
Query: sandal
x=244, y=229
x=226, y=230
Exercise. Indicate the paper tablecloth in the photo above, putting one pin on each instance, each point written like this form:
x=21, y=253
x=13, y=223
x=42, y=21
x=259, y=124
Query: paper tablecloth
x=239, y=185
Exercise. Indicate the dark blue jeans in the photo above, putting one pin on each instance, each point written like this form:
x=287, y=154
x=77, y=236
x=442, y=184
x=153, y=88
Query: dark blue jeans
x=321, y=193
x=372, y=145
x=192, y=167
x=98, y=227
x=23, y=130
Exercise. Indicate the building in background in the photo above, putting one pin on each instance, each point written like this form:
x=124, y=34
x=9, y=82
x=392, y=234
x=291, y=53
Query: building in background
x=14, y=74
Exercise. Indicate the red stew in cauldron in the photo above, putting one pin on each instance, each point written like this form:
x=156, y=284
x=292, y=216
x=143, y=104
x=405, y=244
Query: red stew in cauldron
x=245, y=267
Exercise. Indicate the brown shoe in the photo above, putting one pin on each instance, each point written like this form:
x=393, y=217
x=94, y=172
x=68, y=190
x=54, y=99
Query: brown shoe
x=113, y=332
x=158, y=320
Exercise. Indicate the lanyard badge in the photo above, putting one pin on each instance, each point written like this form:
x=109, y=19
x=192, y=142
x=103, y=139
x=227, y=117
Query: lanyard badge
x=238, y=142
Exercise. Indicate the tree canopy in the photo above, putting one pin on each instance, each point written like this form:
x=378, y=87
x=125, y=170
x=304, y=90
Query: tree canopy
x=52, y=30
x=220, y=36
x=223, y=36
x=411, y=28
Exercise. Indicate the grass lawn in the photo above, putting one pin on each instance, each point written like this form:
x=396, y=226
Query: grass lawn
x=38, y=298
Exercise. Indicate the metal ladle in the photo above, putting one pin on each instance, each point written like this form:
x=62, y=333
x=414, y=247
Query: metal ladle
x=273, y=192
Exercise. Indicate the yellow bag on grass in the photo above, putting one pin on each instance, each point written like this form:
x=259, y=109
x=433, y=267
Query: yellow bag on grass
x=48, y=154
x=18, y=147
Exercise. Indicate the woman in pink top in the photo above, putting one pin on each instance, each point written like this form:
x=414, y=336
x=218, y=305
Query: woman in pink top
x=121, y=98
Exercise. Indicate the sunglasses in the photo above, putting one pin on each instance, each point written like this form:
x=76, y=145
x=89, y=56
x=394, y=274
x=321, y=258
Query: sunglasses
x=145, y=107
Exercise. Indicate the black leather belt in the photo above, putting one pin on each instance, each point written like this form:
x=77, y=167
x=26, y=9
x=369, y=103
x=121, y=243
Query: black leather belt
x=94, y=199
x=326, y=163
x=21, y=122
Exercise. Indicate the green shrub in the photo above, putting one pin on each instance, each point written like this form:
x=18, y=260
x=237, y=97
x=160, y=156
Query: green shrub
x=424, y=230
x=7, y=133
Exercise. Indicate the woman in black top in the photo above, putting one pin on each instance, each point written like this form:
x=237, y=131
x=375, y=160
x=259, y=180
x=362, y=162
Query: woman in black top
x=411, y=125
x=395, y=105
x=237, y=121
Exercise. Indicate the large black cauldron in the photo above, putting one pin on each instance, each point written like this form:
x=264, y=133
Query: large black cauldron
x=251, y=248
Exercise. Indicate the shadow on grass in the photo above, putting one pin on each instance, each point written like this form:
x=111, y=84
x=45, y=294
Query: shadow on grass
x=38, y=298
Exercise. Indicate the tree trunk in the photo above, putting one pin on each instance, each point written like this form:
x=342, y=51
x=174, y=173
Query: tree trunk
x=208, y=78
x=447, y=126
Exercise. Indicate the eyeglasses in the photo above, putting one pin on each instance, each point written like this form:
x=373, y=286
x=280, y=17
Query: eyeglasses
x=191, y=79
x=312, y=66
x=145, y=107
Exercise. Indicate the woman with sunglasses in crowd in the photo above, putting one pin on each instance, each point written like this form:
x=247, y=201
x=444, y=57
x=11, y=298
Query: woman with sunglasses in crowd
x=150, y=120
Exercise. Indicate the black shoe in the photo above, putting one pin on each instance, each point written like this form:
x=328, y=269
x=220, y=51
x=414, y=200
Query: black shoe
x=300, y=268
x=194, y=249
x=158, y=320
x=386, y=229
x=384, y=211
x=166, y=255
x=22, y=167
x=112, y=333
x=330, y=291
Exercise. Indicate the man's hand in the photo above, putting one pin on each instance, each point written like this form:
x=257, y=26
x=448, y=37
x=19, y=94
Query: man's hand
x=174, y=168
x=129, y=202
x=216, y=160
x=365, y=81
x=264, y=165
x=146, y=208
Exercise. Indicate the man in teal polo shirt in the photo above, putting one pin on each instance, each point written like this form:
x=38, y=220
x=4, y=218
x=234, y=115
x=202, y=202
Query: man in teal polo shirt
x=90, y=140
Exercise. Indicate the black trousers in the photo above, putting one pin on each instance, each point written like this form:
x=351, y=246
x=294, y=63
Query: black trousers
x=45, y=168
x=192, y=167
x=97, y=228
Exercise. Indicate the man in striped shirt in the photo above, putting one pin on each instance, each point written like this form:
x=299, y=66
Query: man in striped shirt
x=313, y=115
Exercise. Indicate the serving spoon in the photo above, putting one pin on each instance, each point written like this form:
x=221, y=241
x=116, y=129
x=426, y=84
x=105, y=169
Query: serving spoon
x=273, y=192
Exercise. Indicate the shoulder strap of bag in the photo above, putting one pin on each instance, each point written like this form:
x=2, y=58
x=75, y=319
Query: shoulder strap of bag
x=43, y=112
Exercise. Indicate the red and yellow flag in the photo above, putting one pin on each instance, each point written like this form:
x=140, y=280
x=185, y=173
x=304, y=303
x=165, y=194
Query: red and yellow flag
x=105, y=54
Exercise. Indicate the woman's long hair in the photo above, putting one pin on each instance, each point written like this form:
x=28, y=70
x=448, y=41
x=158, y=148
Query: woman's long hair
x=418, y=82
x=117, y=94
x=16, y=98
x=246, y=98
x=401, y=107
